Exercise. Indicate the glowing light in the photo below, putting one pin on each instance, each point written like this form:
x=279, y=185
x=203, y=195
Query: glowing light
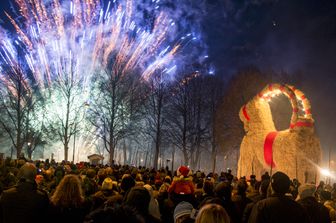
x=325, y=172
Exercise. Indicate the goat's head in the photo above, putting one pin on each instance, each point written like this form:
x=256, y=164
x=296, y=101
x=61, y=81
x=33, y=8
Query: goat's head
x=256, y=114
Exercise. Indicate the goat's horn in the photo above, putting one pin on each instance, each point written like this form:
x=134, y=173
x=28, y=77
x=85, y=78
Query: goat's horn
x=272, y=90
x=300, y=97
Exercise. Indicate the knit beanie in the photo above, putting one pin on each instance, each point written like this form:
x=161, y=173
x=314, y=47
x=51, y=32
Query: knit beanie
x=183, y=208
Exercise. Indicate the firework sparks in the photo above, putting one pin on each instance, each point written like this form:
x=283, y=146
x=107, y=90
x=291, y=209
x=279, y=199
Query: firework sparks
x=76, y=37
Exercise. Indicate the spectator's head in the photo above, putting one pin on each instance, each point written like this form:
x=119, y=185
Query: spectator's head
x=27, y=173
x=138, y=198
x=91, y=173
x=280, y=183
x=208, y=187
x=127, y=182
x=223, y=190
x=242, y=186
x=107, y=184
x=167, y=179
x=264, y=187
x=182, y=212
x=325, y=195
x=59, y=172
x=210, y=213
x=68, y=193
x=306, y=190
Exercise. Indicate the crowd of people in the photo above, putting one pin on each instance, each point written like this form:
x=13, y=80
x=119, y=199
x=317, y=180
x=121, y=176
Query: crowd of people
x=44, y=191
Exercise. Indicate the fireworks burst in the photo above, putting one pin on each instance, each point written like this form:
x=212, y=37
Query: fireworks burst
x=75, y=37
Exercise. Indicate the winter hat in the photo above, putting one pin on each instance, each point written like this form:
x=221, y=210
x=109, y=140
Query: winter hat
x=167, y=179
x=307, y=190
x=183, y=171
x=183, y=208
x=280, y=182
x=107, y=184
x=28, y=172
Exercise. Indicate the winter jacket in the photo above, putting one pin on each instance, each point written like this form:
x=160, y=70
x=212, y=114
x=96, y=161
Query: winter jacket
x=23, y=203
x=331, y=206
x=317, y=213
x=278, y=209
x=182, y=186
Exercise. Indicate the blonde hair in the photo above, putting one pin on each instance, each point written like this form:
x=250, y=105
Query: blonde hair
x=68, y=193
x=211, y=213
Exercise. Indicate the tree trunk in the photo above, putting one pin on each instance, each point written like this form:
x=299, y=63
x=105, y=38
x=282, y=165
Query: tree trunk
x=111, y=147
x=146, y=159
x=186, y=158
x=214, y=158
x=29, y=153
x=125, y=152
x=157, y=144
x=173, y=159
x=66, y=151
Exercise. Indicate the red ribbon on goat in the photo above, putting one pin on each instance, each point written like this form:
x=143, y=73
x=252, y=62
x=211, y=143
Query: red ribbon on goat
x=301, y=124
x=245, y=113
x=268, y=148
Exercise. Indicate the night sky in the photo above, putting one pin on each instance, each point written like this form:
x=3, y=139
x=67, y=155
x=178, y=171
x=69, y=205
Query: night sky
x=280, y=35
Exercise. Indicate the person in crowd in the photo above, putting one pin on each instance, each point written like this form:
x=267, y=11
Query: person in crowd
x=184, y=213
x=319, y=189
x=58, y=176
x=278, y=207
x=316, y=211
x=153, y=208
x=106, y=191
x=265, y=176
x=24, y=202
x=262, y=195
x=139, y=198
x=182, y=188
x=89, y=183
x=68, y=204
x=239, y=198
x=223, y=191
x=325, y=199
x=127, y=182
x=210, y=213
x=166, y=205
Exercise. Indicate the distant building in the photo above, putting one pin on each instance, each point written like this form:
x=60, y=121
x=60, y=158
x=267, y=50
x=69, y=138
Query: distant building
x=95, y=159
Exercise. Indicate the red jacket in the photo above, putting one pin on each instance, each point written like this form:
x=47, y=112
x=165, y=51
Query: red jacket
x=182, y=186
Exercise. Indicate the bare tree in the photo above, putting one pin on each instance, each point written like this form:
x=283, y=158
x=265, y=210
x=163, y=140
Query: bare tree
x=186, y=117
x=114, y=108
x=155, y=119
x=15, y=102
x=65, y=106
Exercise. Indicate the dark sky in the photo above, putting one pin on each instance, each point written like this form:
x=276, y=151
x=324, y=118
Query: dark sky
x=288, y=35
